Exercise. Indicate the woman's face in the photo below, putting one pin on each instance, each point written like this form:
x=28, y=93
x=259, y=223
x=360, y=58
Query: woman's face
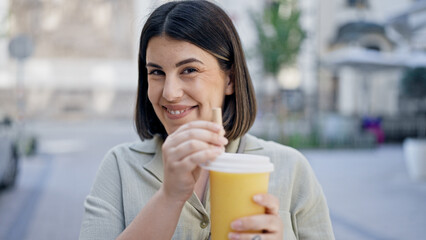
x=184, y=82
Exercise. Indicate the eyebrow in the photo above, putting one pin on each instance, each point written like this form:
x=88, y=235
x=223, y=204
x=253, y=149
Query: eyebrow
x=189, y=60
x=183, y=62
x=153, y=65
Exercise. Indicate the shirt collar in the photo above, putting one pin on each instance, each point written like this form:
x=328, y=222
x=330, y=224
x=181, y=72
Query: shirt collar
x=252, y=143
x=232, y=146
x=147, y=146
x=152, y=147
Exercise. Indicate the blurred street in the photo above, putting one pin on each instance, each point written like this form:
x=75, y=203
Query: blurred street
x=47, y=202
x=369, y=192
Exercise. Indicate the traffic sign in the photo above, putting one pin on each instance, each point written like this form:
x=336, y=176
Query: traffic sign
x=21, y=47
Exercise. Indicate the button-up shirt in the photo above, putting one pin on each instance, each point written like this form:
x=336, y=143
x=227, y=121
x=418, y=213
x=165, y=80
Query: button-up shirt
x=131, y=173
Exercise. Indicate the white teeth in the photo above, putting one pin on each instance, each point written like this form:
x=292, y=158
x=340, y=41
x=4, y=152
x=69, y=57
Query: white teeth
x=175, y=112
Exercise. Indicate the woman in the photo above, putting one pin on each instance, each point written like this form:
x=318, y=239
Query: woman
x=190, y=61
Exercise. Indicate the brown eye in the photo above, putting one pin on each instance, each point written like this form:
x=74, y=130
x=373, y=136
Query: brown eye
x=189, y=70
x=156, y=72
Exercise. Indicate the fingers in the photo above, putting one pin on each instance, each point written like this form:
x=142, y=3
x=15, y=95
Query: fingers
x=201, y=135
x=210, y=135
x=251, y=236
x=270, y=202
x=264, y=222
x=199, y=130
x=201, y=124
x=188, y=147
x=270, y=224
x=196, y=141
x=184, y=150
x=200, y=157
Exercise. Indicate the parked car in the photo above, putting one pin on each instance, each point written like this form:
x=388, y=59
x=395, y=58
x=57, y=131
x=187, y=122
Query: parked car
x=9, y=152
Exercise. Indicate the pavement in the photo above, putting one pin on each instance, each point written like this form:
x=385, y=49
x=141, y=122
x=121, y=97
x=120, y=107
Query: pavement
x=369, y=192
x=47, y=203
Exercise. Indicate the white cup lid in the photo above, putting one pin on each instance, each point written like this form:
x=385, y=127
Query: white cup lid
x=240, y=163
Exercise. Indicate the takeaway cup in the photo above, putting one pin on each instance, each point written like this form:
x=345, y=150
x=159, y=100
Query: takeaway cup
x=234, y=180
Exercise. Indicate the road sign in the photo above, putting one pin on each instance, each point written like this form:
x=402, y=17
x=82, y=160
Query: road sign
x=21, y=47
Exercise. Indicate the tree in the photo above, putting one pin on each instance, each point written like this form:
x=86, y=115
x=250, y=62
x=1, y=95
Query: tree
x=280, y=34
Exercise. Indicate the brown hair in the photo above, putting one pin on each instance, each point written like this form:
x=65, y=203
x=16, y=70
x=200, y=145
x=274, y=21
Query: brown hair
x=207, y=26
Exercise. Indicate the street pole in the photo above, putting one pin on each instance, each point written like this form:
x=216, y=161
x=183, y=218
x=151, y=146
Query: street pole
x=20, y=91
x=20, y=48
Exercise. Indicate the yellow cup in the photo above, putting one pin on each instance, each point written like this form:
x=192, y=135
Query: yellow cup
x=234, y=180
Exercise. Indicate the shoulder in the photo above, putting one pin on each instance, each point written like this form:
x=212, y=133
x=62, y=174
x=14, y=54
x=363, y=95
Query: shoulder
x=140, y=151
x=120, y=159
x=147, y=147
x=293, y=176
x=276, y=151
x=289, y=163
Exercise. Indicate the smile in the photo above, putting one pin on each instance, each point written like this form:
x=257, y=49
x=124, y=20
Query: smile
x=177, y=112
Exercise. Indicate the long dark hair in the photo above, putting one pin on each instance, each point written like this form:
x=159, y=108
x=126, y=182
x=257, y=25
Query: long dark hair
x=207, y=26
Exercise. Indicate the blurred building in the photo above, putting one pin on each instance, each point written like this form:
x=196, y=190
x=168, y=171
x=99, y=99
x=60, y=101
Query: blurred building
x=84, y=61
x=364, y=48
x=367, y=54
x=349, y=71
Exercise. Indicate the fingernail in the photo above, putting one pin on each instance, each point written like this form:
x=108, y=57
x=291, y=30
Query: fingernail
x=236, y=225
x=233, y=236
x=224, y=140
x=257, y=198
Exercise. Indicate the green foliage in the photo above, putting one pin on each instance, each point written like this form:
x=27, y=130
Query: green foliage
x=280, y=34
x=413, y=83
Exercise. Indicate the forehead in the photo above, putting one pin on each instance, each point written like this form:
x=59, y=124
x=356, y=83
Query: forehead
x=162, y=48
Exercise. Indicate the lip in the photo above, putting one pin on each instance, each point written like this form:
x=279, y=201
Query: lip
x=184, y=109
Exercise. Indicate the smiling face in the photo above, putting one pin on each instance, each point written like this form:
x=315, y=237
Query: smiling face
x=184, y=82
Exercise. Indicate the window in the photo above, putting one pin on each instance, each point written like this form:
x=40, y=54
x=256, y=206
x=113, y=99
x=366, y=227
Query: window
x=357, y=3
x=373, y=48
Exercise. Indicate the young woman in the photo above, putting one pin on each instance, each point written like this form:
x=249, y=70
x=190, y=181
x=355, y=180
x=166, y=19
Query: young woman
x=190, y=61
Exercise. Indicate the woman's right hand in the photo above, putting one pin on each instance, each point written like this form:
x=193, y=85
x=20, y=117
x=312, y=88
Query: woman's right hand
x=193, y=143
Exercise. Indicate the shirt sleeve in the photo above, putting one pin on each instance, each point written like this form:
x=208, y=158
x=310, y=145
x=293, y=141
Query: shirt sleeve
x=310, y=213
x=103, y=217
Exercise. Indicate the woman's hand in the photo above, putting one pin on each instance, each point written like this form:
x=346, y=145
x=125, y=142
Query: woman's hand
x=269, y=223
x=194, y=143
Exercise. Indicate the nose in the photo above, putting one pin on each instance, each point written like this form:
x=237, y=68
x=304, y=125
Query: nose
x=172, y=90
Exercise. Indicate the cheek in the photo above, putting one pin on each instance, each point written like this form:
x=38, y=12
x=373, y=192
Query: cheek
x=153, y=93
x=212, y=84
x=150, y=97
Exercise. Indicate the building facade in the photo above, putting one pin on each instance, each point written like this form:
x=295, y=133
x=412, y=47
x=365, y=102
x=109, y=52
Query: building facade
x=357, y=86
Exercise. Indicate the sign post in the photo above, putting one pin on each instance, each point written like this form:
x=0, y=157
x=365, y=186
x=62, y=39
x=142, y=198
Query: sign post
x=20, y=48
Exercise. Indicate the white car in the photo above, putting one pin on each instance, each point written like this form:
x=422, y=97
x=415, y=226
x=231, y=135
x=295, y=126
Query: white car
x=9, y=153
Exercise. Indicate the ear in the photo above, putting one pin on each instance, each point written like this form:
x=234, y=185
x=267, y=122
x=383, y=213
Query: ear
x=229, y=87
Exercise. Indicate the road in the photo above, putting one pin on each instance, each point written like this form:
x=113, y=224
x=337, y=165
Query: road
x=369, y=193
x=47, y=202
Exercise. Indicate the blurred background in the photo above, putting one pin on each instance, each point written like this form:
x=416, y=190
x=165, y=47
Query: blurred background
x=344, y=81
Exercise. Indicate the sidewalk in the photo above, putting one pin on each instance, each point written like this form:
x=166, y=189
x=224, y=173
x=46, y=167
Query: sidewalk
x=370, y=194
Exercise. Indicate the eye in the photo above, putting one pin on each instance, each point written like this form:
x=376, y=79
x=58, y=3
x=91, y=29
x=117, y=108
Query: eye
x=155, y=72
x=189, y=70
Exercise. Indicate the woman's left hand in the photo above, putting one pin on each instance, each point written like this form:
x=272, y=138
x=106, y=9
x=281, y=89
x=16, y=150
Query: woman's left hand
x=269, y=223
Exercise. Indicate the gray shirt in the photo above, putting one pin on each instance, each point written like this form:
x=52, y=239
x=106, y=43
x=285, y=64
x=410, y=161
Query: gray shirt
x=131, y=173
